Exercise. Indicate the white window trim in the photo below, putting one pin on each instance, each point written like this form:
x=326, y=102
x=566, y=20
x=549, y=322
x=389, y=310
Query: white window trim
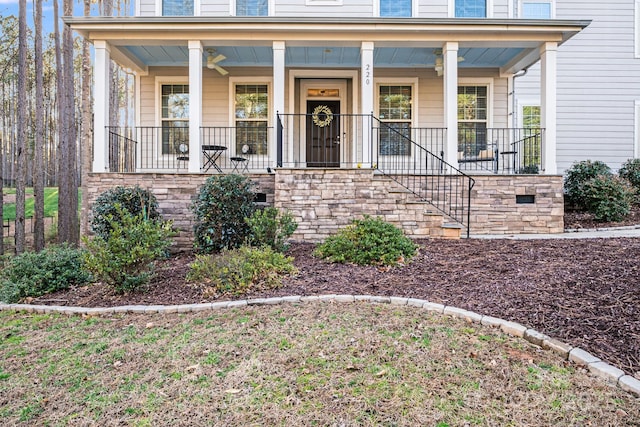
x=196, y=7
x=246, y=80
x=452, y=9
x=407, y=81
x=520, y=104
x=414, y=8
x=481, y=82
x=166, y=80
x=159, y=82
x=552, y=2
x=271, y=7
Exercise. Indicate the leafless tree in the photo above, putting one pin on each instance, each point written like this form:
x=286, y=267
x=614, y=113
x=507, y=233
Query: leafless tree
x=22, y=127
x=38, y=169
x=68, y=230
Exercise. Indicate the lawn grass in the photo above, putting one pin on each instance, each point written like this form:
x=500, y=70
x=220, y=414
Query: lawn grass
x=50, y=203
x=303, y=364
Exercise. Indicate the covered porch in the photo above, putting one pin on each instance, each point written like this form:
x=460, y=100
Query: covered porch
x=426, y=95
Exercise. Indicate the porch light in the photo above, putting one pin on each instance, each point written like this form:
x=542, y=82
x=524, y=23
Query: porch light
x=439, y=67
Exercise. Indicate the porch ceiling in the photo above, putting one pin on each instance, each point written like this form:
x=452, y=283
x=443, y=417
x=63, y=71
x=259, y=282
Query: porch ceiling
x=506, y=44
x=324, y=56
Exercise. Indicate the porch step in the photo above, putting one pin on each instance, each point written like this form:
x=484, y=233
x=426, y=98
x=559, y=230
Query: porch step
x=452, y=231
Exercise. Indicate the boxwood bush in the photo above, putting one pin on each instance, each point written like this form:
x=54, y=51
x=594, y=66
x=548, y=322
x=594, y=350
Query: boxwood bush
x=270, y=227
x=368, y=241
x=576, y=177
x=630, y=171
x=32, y=274
x=241, y=270
x=125, y=259
x=134, y=200
x=220, y=208
x=608, y=197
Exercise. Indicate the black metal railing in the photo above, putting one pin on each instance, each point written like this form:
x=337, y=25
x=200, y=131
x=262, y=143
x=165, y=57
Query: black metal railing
x=325, y=142
x=122, y=150
x=166, y=148
x=500, y=150
x=426, y=175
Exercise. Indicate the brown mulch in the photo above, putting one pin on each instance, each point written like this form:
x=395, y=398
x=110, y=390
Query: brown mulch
x=585, y=292
x=578, y=220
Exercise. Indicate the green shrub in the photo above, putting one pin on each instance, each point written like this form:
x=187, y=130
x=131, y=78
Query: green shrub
x=126, y=258
x=630, y=171
x=241, y=270
x=134, y=200
x=221, y=206
x=270, y=228
x=608, y=197
x=369, y=241
x=33, y=274
x=578, y=175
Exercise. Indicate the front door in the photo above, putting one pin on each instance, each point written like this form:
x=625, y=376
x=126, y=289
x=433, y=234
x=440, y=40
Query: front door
x=323, y=133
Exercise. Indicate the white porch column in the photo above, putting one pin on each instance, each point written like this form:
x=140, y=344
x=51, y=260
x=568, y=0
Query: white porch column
x=195, y=104
x=548, y=107
x=278, y=97
x=101, y=106
x=368, y=96
x=450, y=85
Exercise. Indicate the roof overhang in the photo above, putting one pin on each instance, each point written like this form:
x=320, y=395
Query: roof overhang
x=522, y=38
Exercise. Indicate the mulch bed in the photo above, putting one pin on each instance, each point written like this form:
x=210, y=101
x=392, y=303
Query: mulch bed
x=585, y=292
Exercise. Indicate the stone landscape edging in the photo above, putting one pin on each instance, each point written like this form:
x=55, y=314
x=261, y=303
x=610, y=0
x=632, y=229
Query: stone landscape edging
x=595, y=365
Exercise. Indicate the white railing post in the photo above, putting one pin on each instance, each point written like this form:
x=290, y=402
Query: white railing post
x=367, y=96
x=101, y=106
x=195, y=104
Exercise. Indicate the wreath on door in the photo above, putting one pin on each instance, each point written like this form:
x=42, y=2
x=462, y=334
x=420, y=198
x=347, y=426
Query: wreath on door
x=322, y=116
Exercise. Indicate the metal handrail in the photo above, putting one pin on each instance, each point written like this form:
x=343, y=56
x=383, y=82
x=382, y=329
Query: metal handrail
x=428, y=176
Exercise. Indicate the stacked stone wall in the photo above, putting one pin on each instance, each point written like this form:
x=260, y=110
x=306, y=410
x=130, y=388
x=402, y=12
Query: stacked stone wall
x=495, y=208
x=323, y=201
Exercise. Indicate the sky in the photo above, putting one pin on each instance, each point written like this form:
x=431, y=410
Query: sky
x=10, y=7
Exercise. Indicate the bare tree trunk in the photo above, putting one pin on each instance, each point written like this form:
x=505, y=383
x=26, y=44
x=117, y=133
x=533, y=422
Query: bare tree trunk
x=87, y=125
x=38, y=170
x=68, y=194
x=22, y=126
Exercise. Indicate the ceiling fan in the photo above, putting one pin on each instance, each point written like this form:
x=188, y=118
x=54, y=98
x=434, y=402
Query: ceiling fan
x=439, y=65
x=213, y=59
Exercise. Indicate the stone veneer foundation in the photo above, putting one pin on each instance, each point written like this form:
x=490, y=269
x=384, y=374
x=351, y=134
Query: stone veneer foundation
x=324, y=200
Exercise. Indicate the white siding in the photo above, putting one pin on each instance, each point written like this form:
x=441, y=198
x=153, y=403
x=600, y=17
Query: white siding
x=598, y=83
x=348, y=8
x=147, y=7
x=433, y=8
x=500, y=9
x=345, y=8
x=215, y=8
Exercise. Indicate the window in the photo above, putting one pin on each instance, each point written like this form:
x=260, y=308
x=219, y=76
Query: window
x=530, y=141
x=538, y=9
x=251, y=115
x=395, y=8
x=252, y=8
x=472, y=119
x=471, y=8
x=177, y=7
x=531, y=116
x=394, y=109
x=175, y=117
